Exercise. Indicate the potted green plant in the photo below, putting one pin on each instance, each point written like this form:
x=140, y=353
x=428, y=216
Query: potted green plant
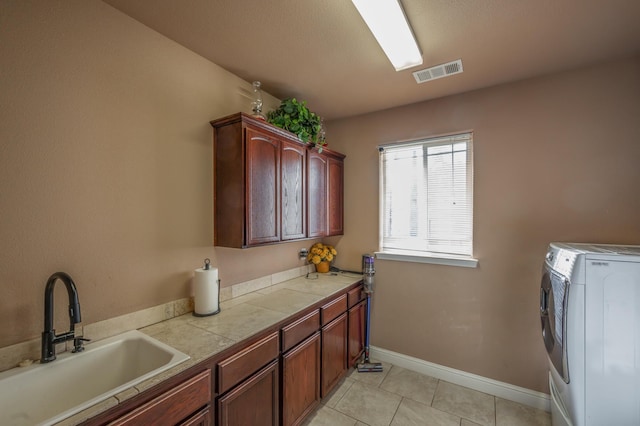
x=295, y=117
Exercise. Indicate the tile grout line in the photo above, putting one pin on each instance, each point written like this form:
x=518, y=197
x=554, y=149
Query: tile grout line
x=374, y=384
x=341, y=396
x=434, y=396
x=396, y=412
x=386, y=376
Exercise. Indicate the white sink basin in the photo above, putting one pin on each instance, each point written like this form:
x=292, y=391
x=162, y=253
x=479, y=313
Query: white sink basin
x=43, y=394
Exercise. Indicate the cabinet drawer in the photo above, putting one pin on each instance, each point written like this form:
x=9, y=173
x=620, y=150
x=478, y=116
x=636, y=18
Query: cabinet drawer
x=355, y=295
x=333, y=309
x=300, y=330
x=173, y=406
x=241, y=365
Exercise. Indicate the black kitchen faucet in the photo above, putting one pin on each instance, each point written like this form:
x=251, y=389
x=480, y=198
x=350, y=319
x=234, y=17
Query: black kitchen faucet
x=49, y=337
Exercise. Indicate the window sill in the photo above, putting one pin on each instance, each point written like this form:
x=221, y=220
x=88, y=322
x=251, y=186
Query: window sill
x=437, y=259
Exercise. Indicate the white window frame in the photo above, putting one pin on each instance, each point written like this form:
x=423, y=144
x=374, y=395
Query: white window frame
x=423, y=253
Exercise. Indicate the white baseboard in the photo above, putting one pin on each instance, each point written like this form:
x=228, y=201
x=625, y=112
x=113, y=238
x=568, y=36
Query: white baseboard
x=514, y=393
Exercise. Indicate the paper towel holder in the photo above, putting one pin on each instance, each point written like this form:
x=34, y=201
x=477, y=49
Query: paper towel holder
x=207, y=267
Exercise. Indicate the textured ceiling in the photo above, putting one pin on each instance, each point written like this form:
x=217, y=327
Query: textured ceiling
x=322, y=52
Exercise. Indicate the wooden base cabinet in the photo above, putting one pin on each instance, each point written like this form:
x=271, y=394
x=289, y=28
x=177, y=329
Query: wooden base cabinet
x=276, y=378
x=357, y=303
x=248, y=382
x=254, y=402
x=176, y=406
x=300, y=380
x=357, y=324
x=202, y=418
x=334, y=353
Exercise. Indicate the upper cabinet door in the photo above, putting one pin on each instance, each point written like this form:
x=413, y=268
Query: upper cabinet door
x=263, y=188
x=292, y=188
x=335, y=201
x=317, y=194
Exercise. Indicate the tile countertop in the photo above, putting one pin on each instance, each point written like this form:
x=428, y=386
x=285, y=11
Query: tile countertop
x=239, y=319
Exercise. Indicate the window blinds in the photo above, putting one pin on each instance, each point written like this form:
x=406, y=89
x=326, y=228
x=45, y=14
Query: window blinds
x=427, y=195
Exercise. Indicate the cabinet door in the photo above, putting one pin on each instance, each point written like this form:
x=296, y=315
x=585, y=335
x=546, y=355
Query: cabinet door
x=357, y=324
x=335, y=202
x=254, y=402
x=334, y=353
x=293, y=204
x=317, y=194
x=263, y=188
x=202, y=418
x=300, y=380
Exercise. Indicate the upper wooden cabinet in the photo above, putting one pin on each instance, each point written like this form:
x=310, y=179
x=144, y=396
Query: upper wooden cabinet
x=270, y=187
x=317, y=194
x=335, y=196
x=326, y=193
x=293, y=183
x=262, y=187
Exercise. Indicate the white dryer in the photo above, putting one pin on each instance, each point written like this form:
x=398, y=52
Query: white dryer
x=590, y=318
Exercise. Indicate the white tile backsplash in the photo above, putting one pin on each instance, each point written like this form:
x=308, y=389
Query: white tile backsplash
x=251, y=286
x=279, y=277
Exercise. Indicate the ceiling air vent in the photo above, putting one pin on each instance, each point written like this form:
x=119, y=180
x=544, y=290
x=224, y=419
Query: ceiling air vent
x=439, y=71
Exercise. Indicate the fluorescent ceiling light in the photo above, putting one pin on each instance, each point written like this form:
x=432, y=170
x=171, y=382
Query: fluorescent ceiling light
x=389, y=25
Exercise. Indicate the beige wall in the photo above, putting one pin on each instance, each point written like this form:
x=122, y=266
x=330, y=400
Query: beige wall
x=105, y=165
x=556, y=158
x=105, y=173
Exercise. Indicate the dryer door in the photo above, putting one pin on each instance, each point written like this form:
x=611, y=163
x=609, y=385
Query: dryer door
x=554, y=290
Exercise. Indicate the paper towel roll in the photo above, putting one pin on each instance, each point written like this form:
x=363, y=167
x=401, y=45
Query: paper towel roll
x=206, y=292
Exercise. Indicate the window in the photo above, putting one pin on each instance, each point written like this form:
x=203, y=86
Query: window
x=426, y=200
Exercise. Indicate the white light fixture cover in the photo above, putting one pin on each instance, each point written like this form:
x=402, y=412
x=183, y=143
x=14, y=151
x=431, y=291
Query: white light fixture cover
x=389, y=25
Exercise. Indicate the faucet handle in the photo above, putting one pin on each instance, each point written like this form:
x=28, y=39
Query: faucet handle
x=78, y=344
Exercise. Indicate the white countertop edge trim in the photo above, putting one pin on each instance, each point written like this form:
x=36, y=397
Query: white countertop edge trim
x=466, y=262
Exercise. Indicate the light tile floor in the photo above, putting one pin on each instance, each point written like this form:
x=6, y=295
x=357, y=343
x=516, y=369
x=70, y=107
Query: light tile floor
x=400, y=397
